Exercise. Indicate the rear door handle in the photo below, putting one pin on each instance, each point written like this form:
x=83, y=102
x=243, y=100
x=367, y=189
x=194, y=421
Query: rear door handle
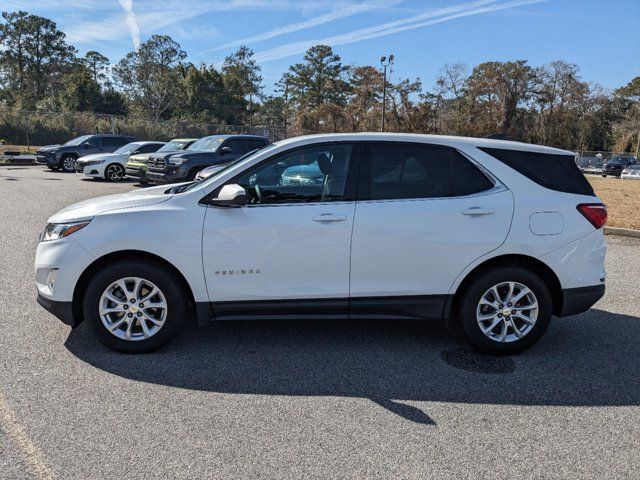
x=329, y=217
x=478, y=211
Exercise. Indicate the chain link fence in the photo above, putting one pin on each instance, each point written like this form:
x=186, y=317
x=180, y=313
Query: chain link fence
x=29, y=129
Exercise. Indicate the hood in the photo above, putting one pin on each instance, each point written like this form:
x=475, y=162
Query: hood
x=95, y=206
x=96, y=156
x=164, y=155
x=48, y=148
x=187, y=155
x=140, y=157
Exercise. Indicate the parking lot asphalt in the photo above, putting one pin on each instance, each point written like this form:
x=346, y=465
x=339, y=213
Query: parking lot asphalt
x=285, y=399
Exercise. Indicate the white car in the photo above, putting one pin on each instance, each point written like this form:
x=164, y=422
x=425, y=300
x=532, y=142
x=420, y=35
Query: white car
x=111, y=166
x=494, y=236
x=632, y=172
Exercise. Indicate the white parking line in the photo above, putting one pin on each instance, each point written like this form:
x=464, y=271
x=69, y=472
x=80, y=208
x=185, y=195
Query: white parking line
x=33, y=455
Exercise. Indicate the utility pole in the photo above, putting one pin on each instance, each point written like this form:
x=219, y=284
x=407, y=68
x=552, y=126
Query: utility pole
x=385, y=62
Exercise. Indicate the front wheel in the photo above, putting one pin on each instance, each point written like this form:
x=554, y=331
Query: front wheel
x=135, y=307
x=114, y=172
x=69, y=164
x=505, y=310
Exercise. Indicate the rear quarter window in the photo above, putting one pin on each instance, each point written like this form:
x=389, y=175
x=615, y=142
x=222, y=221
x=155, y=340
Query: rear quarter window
x=555, y=172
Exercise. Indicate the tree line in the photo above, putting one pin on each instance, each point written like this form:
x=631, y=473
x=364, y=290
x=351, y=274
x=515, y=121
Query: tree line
x=549, y=104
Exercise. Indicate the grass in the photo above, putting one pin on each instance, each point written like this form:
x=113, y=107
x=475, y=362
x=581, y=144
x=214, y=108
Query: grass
x=622, y=198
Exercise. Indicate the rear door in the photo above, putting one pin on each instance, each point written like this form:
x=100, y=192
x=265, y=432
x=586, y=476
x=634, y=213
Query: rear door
x=424, y=212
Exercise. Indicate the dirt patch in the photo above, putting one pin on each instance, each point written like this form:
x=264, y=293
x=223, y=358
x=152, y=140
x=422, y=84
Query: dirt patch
x=622, y=198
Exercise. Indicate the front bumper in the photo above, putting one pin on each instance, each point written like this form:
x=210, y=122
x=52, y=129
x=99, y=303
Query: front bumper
x=61, y=310
x=581, y=299
x=166, y=176
x=49, y=161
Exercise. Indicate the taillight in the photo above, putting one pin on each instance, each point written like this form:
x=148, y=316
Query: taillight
x=596, y=213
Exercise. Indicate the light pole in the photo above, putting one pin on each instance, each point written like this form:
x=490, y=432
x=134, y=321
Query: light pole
x=385, y=62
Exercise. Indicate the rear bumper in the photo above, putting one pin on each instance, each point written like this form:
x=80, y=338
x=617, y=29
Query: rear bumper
x=62, y=310
x=581, y=299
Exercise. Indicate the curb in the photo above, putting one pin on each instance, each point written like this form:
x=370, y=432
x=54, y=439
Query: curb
x=622, y=232
x=30, y=164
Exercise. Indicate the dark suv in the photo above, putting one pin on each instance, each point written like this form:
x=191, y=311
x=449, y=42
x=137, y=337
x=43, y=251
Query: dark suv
x=616, y=165
x=65, y=156
x=211, y=150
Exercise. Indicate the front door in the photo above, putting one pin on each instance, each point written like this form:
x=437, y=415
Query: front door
x=286, y=252
x=424, y=213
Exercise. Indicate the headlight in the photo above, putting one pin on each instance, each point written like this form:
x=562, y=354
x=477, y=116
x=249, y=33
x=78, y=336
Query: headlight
x=94, y=162
x=176, y=161
x=54, y=231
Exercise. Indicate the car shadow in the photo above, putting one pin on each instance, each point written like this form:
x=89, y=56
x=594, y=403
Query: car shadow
x=586, y=360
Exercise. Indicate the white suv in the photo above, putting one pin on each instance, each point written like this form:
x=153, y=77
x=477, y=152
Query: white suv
x=494, y=236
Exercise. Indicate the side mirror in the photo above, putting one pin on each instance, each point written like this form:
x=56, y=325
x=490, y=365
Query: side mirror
x=230, y=196
x=225, y=150
x=86, y=145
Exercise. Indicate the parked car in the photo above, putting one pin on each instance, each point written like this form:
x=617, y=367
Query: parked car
x=215, y=169
x=616, y=165
x=136, y=166
x=632, y=172
x=65, y=156
x=211, y=150
x=111, y=166
x=494, y=236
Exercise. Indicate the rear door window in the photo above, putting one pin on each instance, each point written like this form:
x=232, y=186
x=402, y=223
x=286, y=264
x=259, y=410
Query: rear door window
x=555, y=172
x=405, y=171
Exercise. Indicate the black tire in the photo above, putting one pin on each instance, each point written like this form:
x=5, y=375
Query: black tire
x=466, y=308
x=114, y=172
x=604, y=176
x=173, y=291
x=68, y=163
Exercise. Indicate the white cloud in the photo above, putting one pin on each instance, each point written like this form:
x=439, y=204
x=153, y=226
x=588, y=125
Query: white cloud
x=127, y=6
x=343, y=11
x=411, y=23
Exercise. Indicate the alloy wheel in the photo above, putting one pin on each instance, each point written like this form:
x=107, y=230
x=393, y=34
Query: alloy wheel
x=115, y=172
x=507, y=312
x=133, y=309
x=69, y=164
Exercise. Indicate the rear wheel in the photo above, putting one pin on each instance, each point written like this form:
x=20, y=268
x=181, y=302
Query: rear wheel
x=68, y=163
x=505, y=310
x=135, y=307
x=114, y=172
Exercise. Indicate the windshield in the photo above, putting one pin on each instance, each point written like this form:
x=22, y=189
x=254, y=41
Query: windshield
x=619, y=160
x=172, y=145
x=128, y=148
x=206, y=181
x=207, y=144
x=78, y=141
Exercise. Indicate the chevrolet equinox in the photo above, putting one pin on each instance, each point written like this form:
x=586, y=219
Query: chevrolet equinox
x=493, y=236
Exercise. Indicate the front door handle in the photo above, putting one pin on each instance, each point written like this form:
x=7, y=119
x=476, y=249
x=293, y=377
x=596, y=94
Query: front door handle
x=478, y=211
x=329, y=217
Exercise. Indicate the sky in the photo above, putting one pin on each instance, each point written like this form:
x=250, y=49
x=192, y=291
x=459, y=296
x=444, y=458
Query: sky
x=601, y=36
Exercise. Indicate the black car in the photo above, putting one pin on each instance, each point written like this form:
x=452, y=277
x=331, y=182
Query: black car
x=616, y=165
x=212, y=150
x=65, y=156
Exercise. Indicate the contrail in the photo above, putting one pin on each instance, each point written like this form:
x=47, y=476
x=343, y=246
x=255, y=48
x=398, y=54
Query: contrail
x=411, y=23
x=127, y=6
x=344, y=12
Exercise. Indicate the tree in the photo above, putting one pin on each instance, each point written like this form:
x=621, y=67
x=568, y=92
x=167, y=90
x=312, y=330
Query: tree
x=204, y=91
x=151, y=76
x=34, y=54
x=316, y=82
x=242, y=79
x=365, y=100
x=499, y=89
x=98, y=65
